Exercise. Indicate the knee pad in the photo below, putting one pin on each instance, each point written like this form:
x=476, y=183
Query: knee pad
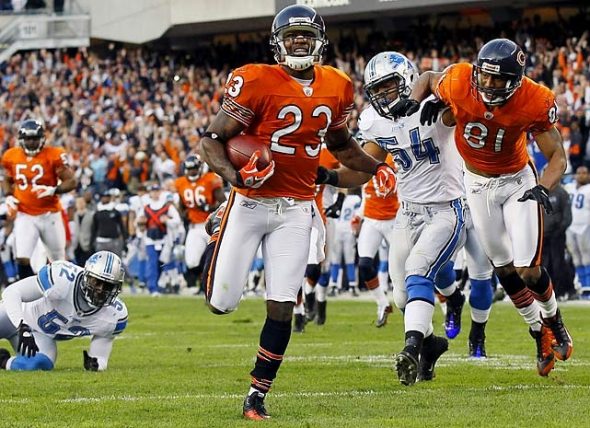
x=482, y=294
x=367, y=268
x=383, y=266
x=446, y=276
x=420, y=288
x=313, y=272
x=38, y=362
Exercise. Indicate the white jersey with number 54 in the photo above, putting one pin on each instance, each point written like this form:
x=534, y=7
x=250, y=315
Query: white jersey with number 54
x=429, y=168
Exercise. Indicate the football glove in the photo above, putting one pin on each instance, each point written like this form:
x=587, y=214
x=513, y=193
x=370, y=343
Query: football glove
x=27, y=346
x=326, y=176
x=12, y=204
x=430, y=111
x=90, y=363
x=334, y=210
x=404, y=107
x=43, y=191
x=540, y=194
x=385, y=180
x=249, y=176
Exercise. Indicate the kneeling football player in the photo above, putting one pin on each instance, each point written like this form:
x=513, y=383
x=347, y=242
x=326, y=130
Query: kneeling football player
x=61, y=302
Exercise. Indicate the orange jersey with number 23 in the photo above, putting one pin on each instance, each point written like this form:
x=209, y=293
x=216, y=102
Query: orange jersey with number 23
x=494, y=141
x=291, y=118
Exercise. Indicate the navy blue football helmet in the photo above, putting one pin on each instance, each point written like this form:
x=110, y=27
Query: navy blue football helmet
x=503, y=59
x=31, y=136
x=193, y=167
x=298, y=17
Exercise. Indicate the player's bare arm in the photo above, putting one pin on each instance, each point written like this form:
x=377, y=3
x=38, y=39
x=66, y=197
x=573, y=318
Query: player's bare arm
x=8, y=185
x=349, y=152
x=212, y=148
x=68, y=180
x=550, y=143
x=426, y=85
x=348, y=178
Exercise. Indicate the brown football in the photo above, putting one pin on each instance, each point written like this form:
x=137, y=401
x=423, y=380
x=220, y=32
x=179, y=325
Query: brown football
x=239, y=149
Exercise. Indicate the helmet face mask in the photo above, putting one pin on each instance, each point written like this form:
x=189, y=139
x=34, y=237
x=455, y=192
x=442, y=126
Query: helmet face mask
x=102, y=279
x=31, y=137
x=292, y=28
x=498, y=72
x=389, y=76
x=99, y=292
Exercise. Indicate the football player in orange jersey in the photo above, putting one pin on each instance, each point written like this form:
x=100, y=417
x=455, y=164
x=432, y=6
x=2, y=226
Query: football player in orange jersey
x=200, y=194
x=35, y=176
x=495, y=106
x=292, y=106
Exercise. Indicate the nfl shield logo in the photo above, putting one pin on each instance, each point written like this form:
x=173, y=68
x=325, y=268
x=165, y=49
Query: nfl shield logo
x=308, y=91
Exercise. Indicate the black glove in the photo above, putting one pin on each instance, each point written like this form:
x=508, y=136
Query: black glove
x=334, y=210
x=326, y=176
x=26, y=341
x=404, y=107
x=430, y=111
x=90, y=363
x=540, y=194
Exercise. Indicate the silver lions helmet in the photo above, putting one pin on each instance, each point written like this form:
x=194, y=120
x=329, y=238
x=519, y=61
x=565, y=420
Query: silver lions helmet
x=102, y=278
x=389, y=76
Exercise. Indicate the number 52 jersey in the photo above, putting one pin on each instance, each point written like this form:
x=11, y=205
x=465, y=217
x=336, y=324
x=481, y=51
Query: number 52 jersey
x=57, y=313
x=429, y=168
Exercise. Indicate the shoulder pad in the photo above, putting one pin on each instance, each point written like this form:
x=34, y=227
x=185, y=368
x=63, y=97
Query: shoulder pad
x=366, y=119
x=337, y=72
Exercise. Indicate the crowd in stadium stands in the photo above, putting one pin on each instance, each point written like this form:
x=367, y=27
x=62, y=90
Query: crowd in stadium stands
x=130, y=116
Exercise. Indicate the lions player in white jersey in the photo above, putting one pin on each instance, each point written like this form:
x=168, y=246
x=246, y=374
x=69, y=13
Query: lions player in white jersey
x=344, y=243
x=578, y=234
x=430, y=223
x=61, y=302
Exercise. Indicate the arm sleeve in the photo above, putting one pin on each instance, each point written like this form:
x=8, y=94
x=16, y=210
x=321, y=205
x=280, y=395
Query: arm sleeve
x=25, y=290
x=100, y=348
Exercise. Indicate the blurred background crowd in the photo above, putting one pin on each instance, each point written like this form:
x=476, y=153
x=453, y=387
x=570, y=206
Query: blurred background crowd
x=129, y=116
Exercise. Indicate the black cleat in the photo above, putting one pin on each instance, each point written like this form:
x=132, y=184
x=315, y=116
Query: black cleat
x=453, y=318
x=254, y=407
x=320, y=318
x=299, y=323
x=432, y=348
x=4, y=356
x=563, y=345
x=477, y=348
x=406, y=367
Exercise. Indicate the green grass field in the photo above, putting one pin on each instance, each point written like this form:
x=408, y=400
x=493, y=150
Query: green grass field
x=177, y=365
